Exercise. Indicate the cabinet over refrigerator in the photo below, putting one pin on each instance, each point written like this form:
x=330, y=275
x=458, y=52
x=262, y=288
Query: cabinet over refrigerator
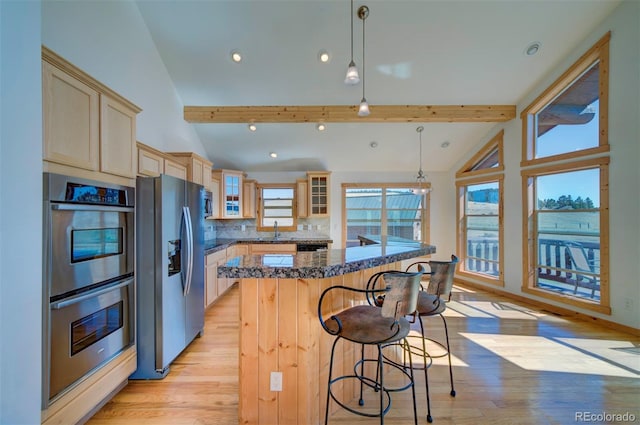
x=170, y=271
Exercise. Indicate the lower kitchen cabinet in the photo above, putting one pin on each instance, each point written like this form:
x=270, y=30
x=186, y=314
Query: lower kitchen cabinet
x=211, y=276
x=216, y=286
x=275, y=248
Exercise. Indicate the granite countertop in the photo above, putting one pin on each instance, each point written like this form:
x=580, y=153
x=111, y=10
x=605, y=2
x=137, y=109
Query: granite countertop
x=321, y=264
x=212, y=246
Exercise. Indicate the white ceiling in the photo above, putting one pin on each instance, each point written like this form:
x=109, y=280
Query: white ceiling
x=417, y=52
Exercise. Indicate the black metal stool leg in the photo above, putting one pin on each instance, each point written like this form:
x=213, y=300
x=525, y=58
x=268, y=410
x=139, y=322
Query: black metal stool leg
x=326, y=411
x=381, y=381
x=361, y=400
x=446, y=334
x=426, y=373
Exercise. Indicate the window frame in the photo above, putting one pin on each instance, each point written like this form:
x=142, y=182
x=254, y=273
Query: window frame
x=598, y=53
x=461, y=228
x=425, y=227
x=259, y=188
x=530, y=231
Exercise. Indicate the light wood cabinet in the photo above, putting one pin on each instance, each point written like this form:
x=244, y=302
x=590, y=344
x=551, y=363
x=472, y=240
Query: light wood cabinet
x=230, y=191
x=312, y=194
x=150, y=161
x=88, y=129
x=211, y=276
x=273, y=248
x=117, y=138
x=249, y=198
x=214, y=187
x=319, y=189
x=195, y=164
x=175, y=169
x=206, y=175
x=302, y=197
x=70, y=119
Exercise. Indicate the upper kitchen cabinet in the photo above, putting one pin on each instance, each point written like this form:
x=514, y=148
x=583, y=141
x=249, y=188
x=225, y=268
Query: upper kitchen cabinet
x=230, y=189
x=249, y=198
x=88, y=129
x=198, y=168
x=318, y=187
x=152, y=162
x=302, y=197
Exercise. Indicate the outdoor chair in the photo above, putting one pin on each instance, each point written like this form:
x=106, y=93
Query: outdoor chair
x=587, y=274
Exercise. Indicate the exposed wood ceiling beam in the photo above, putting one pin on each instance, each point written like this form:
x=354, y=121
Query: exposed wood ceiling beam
x=349, y=113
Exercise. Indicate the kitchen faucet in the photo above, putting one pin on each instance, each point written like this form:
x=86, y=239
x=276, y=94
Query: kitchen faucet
x=276, y=235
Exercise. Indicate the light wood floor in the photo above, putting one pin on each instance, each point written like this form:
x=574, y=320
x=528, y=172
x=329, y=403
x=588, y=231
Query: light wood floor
x=513, y=364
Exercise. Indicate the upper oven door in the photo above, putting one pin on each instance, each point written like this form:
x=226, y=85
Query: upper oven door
x=89, y=244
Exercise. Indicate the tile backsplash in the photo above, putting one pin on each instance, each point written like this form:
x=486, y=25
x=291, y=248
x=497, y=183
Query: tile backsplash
x=246, y=229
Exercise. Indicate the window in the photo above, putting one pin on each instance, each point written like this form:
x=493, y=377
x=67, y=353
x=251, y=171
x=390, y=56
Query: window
x=570, y=118
x=396, y=212
x=565, y=186
x=480, y=207
x=566, y=222
x=277, y=203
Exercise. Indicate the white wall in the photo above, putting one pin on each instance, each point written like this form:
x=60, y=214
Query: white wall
x=20, y=212
x=110, y=41
x=624, y=177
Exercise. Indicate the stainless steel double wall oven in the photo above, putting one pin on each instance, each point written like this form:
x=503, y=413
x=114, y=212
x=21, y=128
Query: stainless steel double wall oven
x=88, y=276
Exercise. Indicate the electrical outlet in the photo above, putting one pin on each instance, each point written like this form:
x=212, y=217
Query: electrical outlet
x=276, y=381
x=244, y=227
x=628, y=304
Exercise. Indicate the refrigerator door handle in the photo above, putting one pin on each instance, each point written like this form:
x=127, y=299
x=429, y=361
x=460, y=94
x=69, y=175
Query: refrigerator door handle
x=189, y=233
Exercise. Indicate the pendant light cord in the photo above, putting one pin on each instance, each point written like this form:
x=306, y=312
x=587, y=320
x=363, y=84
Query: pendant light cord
x=351, y=31
x=363, y=19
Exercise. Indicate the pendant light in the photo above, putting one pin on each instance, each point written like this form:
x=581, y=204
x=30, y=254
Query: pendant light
x=363, y=111
x=352, y=71
x=421, y=179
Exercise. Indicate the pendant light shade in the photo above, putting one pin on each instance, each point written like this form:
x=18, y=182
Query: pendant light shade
x=352, y=77
x=363, y=111
x=352, y=74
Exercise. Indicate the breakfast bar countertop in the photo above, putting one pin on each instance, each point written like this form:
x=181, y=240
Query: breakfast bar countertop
x=321, y=264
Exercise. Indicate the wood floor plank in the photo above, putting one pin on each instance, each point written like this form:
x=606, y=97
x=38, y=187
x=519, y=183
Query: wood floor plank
x=513, y=364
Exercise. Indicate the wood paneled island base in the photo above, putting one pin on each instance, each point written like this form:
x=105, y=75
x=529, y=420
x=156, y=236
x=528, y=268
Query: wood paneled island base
x=280, y=334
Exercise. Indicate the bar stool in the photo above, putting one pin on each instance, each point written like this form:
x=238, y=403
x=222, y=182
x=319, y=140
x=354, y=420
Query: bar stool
x=431, y=302
x=369, y=324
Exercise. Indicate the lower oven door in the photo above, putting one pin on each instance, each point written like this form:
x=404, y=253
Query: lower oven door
x=87, y=330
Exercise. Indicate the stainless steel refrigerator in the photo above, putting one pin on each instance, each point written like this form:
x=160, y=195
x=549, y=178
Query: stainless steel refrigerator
x=169, y=271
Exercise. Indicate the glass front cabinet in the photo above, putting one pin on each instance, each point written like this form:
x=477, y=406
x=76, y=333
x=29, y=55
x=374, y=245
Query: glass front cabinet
x=319, y=188
x=230, y=192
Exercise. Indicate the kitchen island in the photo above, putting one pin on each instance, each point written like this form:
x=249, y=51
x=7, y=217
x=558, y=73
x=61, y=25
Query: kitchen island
x=284, y=353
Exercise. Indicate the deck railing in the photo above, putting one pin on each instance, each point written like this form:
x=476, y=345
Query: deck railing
x=554, y=262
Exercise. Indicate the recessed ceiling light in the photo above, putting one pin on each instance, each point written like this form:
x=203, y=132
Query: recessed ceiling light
x=323, y=56
x=273, y=155
x=236, y=56
x=445, y=144
x=252, y=127
x=321, y=126
x=532, y=48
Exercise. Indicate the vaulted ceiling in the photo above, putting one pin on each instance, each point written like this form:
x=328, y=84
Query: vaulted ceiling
x=427, y=63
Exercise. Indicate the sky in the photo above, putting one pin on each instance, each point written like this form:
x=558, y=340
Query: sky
x=568, y=138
